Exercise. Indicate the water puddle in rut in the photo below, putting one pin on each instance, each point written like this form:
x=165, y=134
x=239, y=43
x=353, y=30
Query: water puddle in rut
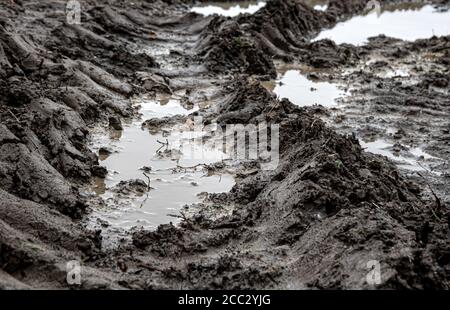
x=228, y=8
x=302, y=89
x=295, y=84
x=403, y=21
x=412, y=158
x=136, y=153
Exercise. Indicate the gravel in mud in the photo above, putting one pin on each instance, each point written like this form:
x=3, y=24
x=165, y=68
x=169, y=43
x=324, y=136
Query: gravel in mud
x=315, y=221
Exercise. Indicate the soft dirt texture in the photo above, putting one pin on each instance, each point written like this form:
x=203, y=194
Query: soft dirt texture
x=314, y=222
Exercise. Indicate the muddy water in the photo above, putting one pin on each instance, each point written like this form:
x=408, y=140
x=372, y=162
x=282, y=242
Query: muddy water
x=158, y=160
x=229, y=8
x=409, y=158
x=407, y=21
x=301, y=86
x=297, y=83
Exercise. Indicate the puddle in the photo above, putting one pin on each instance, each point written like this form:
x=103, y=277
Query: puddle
x=302, y=91
x=408, y=22
x=411, y=159
x=321, y=7
x=228, y=8
x=135, y=151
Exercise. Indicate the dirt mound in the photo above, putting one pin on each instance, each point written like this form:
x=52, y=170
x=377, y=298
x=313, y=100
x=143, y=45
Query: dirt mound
x=227, y=49
x=280, y=29
x=328, y=209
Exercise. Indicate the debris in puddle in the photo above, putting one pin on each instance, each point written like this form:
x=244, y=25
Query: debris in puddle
x=139, y=151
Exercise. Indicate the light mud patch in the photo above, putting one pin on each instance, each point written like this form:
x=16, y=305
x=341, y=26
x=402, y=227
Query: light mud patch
x=404, y=21
x=152, y=176
x=228, y=8
x=302, y=87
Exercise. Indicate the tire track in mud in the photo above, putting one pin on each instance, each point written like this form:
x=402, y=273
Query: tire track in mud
x=178, y=89
x=313, y=222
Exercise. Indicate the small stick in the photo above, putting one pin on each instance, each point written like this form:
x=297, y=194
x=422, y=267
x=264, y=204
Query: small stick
x=148, y=178
x=148, y=190
x=10, y=112
x=163, y=143
x=437, y=200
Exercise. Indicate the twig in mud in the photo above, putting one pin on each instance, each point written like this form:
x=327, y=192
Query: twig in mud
x=192, y=167
x=179, y=167
x=158, y=150
x=163, y=143
x=437, y=200
x=376, y=206
x=148, y=178
x=181, y=216
x=289, y=213
x=148, y=190
x=275, y=105
x=10, y=112
x=326, y=142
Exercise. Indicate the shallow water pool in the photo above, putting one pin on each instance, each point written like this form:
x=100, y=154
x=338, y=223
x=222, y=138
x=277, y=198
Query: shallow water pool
x=407, y=22
x=156, y=159
x=303, y=91
x=229, y=8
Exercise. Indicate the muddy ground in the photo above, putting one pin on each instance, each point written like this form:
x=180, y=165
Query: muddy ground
x=314, y=222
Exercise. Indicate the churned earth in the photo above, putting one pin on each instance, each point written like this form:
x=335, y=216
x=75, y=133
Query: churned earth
x=361, y=179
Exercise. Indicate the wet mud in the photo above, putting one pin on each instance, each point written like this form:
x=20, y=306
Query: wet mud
x=359, y=180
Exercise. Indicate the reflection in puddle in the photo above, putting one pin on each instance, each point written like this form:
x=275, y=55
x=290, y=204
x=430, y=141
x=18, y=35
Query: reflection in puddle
x=302, y=91
x=229, y=8
x=408, y=159
x=136, y=152
x=408, y=24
